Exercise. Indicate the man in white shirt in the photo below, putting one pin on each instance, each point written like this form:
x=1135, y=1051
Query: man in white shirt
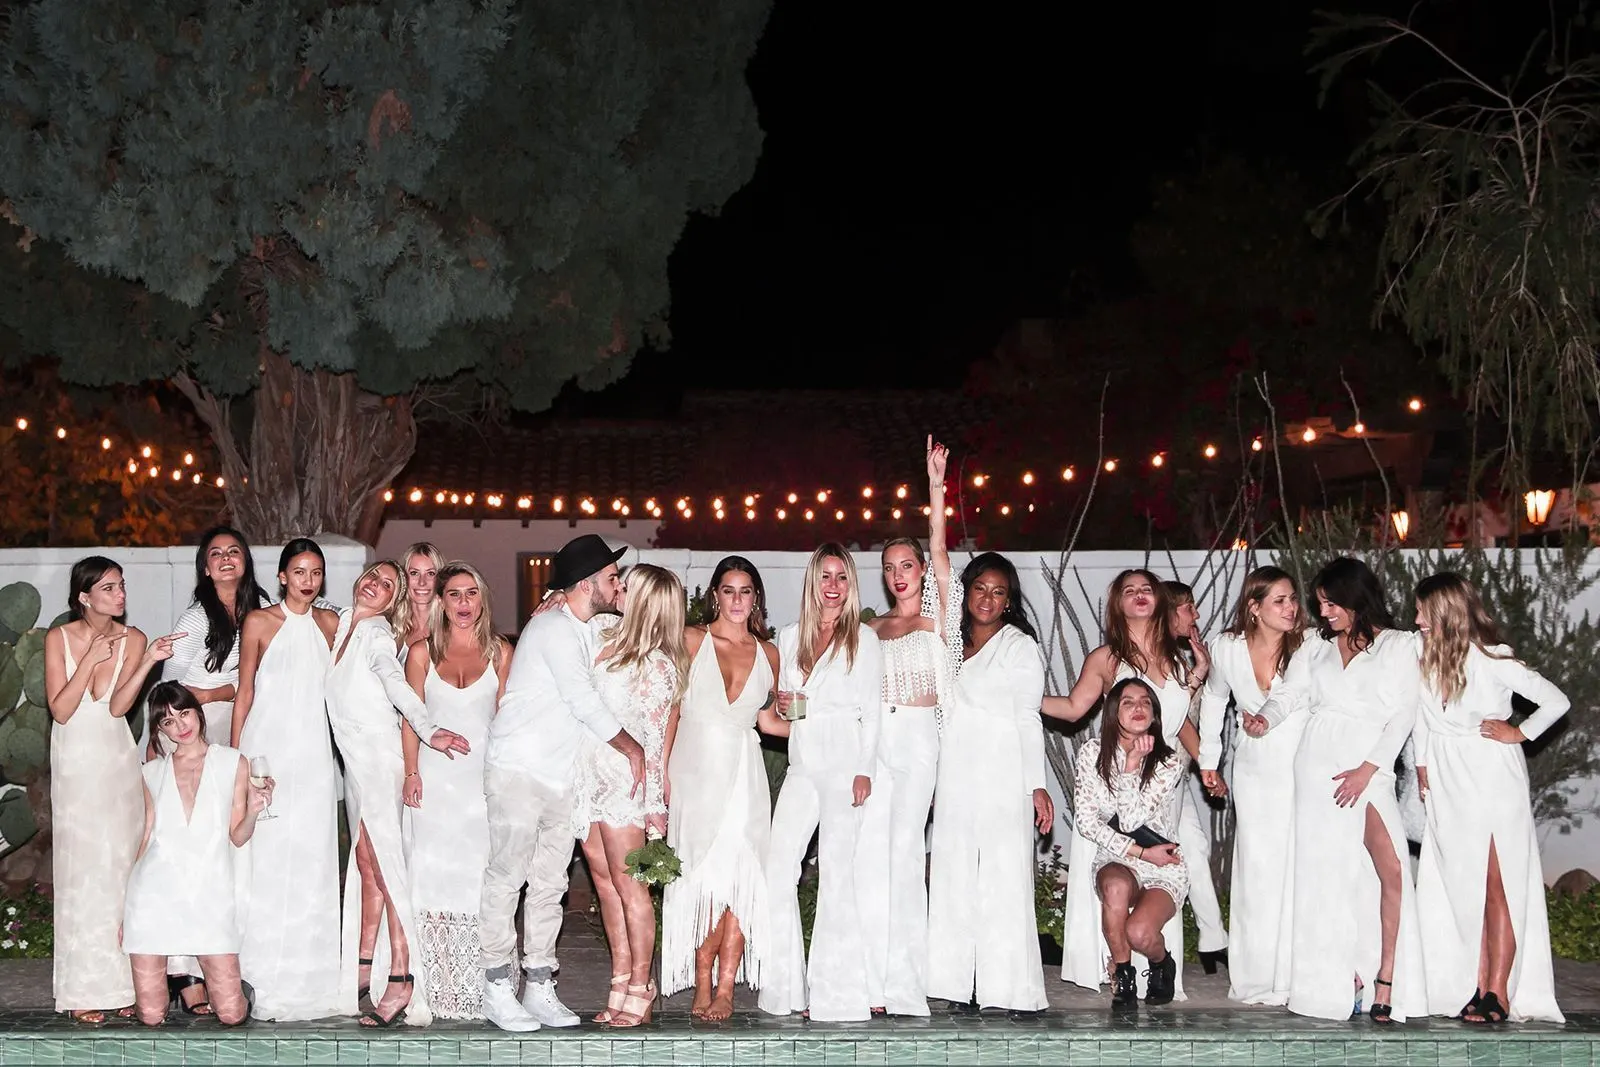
x=550, y=704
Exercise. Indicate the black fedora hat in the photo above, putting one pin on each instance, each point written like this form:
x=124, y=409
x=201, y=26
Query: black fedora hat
x=581, y=557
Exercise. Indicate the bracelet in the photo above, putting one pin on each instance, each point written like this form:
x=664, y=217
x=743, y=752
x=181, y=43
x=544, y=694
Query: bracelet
x=413, y=774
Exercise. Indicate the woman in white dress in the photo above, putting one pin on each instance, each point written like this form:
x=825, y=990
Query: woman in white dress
x=1125, y=782
x=830, y=680
x=94, y=667
x=921, y=641
x=639, y=673
x=1139, y=644
x=200, y=806
x=459, y=671
x=1354, y=911
x=365, y=686
x=714, y=916
x=983, y=943
x=1247, y=664
x=1480, y=889
x=290, y=950
x=422, y=563
x=206, y=661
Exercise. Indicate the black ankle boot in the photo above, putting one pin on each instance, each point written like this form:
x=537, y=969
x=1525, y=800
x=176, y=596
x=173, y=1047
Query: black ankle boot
x=1163, y=981
x=1123, y=993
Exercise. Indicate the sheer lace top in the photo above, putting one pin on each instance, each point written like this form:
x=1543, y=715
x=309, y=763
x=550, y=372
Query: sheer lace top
x=922, y=664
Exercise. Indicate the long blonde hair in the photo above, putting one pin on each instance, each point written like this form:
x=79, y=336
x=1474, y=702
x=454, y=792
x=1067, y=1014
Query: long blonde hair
x=653, y=622
x=402, y=619
x=1457, y=620
x=391, y=613
x=847, y=630
x=483, y=635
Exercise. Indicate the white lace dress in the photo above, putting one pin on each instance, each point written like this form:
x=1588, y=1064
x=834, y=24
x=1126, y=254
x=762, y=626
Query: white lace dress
x=640, y=696
x=447, y=846
x=1134, y=803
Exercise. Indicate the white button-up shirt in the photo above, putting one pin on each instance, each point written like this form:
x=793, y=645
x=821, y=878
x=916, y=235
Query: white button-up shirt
x=549, y=703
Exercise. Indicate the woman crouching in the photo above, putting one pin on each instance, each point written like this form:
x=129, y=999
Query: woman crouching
x=1126, y=780
x=199, y=806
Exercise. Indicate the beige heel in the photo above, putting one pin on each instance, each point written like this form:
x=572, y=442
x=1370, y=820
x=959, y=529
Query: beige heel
x=615, y=999
x=636, y=1006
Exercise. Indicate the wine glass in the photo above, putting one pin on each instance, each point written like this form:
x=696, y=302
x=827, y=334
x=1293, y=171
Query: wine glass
x=260, y=771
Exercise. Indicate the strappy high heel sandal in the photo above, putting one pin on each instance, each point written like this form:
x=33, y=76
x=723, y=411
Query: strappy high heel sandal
x=364, y=992
x=637, y=1005
x=1487, y=1009
x=176, y=984
x=372, y=1018
x=614, y=999
x=1382, y=1011
x=1472, y=1009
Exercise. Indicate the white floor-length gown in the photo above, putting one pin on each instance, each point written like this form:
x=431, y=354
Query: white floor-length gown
x=719, y=820
x=838, y=740
x=365, y=686
x=97, y=809
x=918, y=670
x=1085, y=957
x=447, y=847
x=983, y=936
x=1262, y=894
x=1478, y=794
x=1359, y=713
x=181, y=895
x=290, y=954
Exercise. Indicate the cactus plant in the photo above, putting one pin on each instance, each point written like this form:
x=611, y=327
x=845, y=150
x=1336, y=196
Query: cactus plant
x=24, y=720
x=19, y=607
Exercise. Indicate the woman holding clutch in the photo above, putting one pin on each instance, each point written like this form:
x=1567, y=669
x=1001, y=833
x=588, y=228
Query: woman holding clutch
x=1126, y=780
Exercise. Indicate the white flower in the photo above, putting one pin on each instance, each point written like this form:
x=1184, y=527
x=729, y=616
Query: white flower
x=11, y=912
x=7, y=943
x=22, y=944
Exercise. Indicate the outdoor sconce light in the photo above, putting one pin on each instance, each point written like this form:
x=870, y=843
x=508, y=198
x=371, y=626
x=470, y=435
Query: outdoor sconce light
x=1402, y=523
x=1539, y=502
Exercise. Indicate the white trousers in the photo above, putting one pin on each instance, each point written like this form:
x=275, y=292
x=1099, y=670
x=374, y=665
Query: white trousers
x=530, y=843
x=841, y=982
x=1194, y=844
x=892, y=856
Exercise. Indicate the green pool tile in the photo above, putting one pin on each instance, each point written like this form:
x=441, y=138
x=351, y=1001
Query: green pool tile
x=415, y=1050
x=989, y=1054
x=1144, y=1051
x=657, y=1053
x=475, y=1052
x=1454, y=1054
x=749, y=1054
x=321, y=1051
x=1515, y=1053
x=1299, y=1053
x=1266, y=1053
x=77, y=1050
x=780, y=1053
x=1576, y=1054
x=1025, y=1049
x=108, y=1053
x=352, y=1051
x=262, y=1050
x=289, y=1050
x=1233, y=1054
x=716, y=1050
x=1422, y=1053
x=1484, y=1054
x=808, y=1052
x=842, y=1053
x=867, y=1052
x=1112, y=1052
x=1361, y=1053
x=504, y=1051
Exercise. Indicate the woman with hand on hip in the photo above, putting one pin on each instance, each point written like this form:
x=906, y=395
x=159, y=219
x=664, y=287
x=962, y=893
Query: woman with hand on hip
x=1480, y=888
x=829, y=704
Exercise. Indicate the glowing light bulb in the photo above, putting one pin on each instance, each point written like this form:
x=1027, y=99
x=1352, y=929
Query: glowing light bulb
x=145, y=452
x=949, y=511
x=625, y=511
x=839, y=515
x=105, y=444
x=822, y=496
x=688, y=513
x=177, y=476
x=901, y=492
x=866, y=514
x=1027, y=477
x=524, y=502
x=455, y=498
x=682, y=503
x=750, y=500
x=616, y=505
x=1255, y=446
x=61, y=433
x=650, y=505
x=750, y=514
x=782, y=514
x=222, y=483
x=1067, y=474
x=188, y=458
x=388, y=494
x=467, y=500
x=716, y=504
x=1308, y=435
x=495, y=500
x=22, y=424
x=866, y=492
x=977, y=481
x=794, y=498
x=196, y=479
x=720, y=513
x=558, y=504
x=153, y=471
x=133, y=467
x=1210, y=451
x=1359, y=428
x=895, y=513
x=1005, y=509
x=927, y=509
x=1415, y=404
x=1157, y=460
x=415, y=496
x=1111, y=466
x=810, y=514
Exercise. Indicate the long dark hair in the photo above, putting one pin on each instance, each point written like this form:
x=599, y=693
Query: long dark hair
x=294, y=548
x=1014, y=613
x=85, y=574
x=222, y=629
x=1351, y=584
x=1106, y=764
x=166, y=698
x=1119, y=639
x=757, y=622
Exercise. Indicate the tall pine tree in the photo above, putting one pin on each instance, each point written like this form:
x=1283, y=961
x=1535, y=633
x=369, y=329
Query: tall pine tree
x=304, y=212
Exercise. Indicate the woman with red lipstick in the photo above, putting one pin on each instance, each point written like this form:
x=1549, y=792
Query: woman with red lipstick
x=1140, y=643
x=365, y=687
x=459, y=671
x=199, y=808
x=714, y=916
x=422, y=566
x=921, y=640
x=290, y=950
x=1355, y=918
x=1126, y=780
x=1247, y=664
x=983, y=944
x=830, y=684
x=94, y=784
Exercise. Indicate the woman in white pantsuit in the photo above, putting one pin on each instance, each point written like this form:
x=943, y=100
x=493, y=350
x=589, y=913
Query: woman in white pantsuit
x=1247, y=664
x=1139, y=644
x=1355, y=919
x=921, y=639
x=830, y=666
x=1480, y=889
x=983, y=942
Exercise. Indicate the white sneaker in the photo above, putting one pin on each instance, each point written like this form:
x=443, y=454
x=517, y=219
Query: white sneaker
x=501, y=1008
x=539, y=1001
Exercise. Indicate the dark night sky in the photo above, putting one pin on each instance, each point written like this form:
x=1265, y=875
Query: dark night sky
x=926, y=182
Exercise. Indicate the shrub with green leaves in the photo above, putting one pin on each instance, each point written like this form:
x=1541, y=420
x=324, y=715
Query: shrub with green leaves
x=29, y=925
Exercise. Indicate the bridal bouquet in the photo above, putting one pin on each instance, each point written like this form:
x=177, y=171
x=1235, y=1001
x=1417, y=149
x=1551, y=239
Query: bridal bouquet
x=654, y=863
